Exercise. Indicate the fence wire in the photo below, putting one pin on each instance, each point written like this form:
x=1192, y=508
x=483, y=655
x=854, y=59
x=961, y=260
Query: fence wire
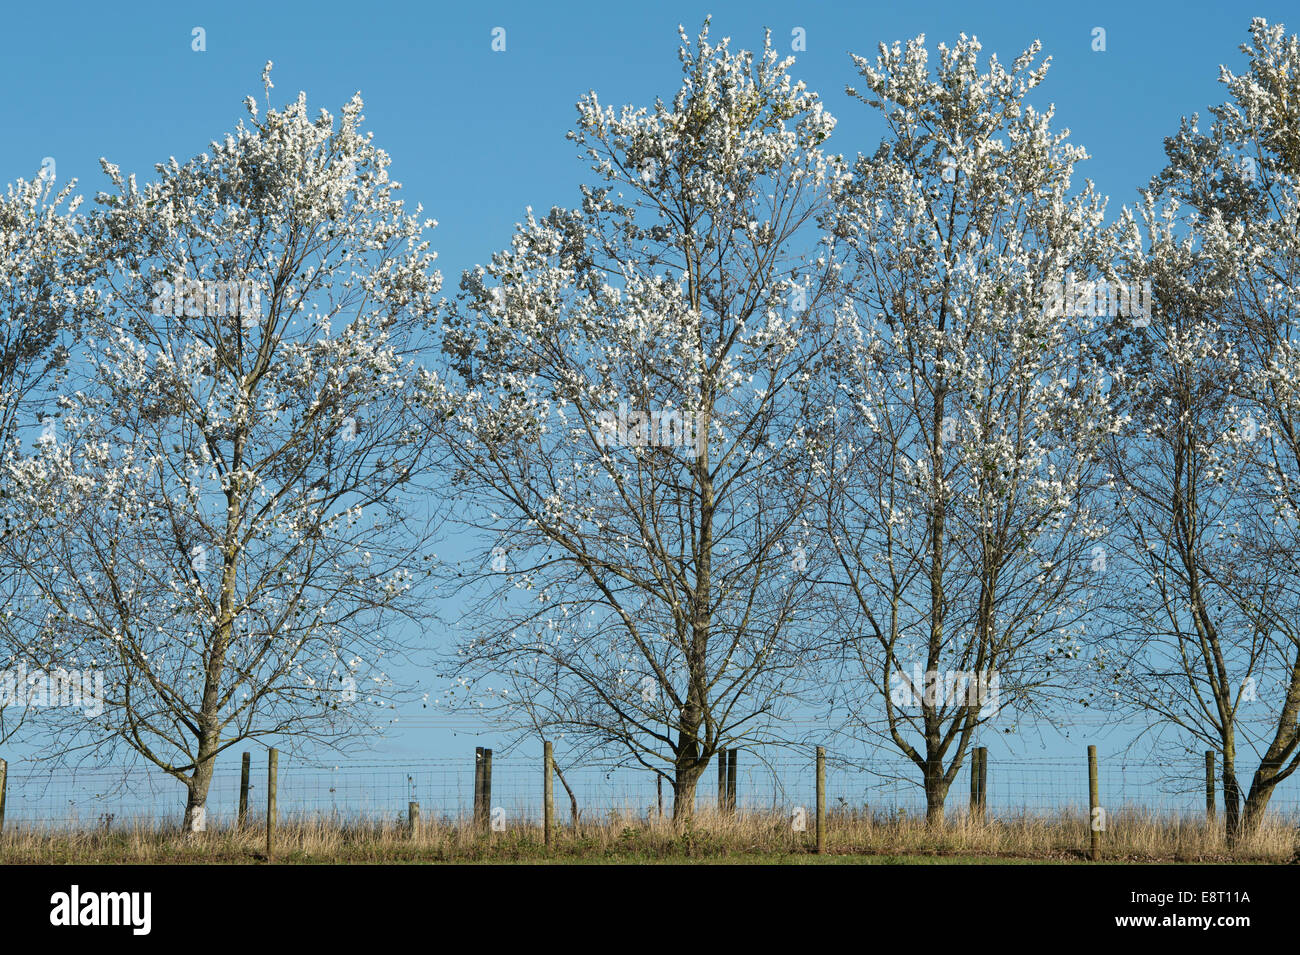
x=379, y=790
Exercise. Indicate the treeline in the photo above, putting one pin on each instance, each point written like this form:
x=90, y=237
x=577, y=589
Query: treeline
x=917, y=441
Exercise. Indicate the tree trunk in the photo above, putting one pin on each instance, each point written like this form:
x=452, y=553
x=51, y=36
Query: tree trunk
x=1272, y=766
x=936, y=792
x=684, y=782
x=196, y=799
x=689, y=765
x=1231, y=794
x=1261, y=790
x=205, y=760
x=209, y=727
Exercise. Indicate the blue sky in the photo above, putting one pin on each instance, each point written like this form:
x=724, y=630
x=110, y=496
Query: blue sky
x=477, y=135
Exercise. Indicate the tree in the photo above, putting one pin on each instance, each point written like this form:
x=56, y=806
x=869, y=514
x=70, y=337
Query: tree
x=1239, y=184
x=1180, y=650
x=628, y=408
x=231, y=513
x=961, y=490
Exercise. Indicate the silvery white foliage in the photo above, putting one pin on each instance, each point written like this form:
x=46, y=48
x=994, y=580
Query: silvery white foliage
x=640, y=584
x=1262, y=113
x=961, y=479
x=44, y=296
x=43, y=293
x=1258, y=243
x=236, y=527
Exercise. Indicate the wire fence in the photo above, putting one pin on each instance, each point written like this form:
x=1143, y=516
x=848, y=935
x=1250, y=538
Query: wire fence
x=379, y=790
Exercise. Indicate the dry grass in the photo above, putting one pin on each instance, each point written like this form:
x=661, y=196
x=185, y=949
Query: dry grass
x=1131, y=836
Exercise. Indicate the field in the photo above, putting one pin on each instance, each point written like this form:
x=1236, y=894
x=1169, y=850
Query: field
x=1132, y=837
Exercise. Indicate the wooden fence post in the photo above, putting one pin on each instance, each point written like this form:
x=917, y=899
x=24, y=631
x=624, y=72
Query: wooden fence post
x=722, y=781
x=731, y=780
x=487, y=789
x=821, y=799
x=483, y=789
x=984, y=781
x=413, y=818
x=478, y=786
x=979, y=778
x=1209, y=788
x=548, y=793
x=659, y=791
x=245, y=767
x=272, y=767
x=4, y=782
x=1096, y=815
x=974, y=783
